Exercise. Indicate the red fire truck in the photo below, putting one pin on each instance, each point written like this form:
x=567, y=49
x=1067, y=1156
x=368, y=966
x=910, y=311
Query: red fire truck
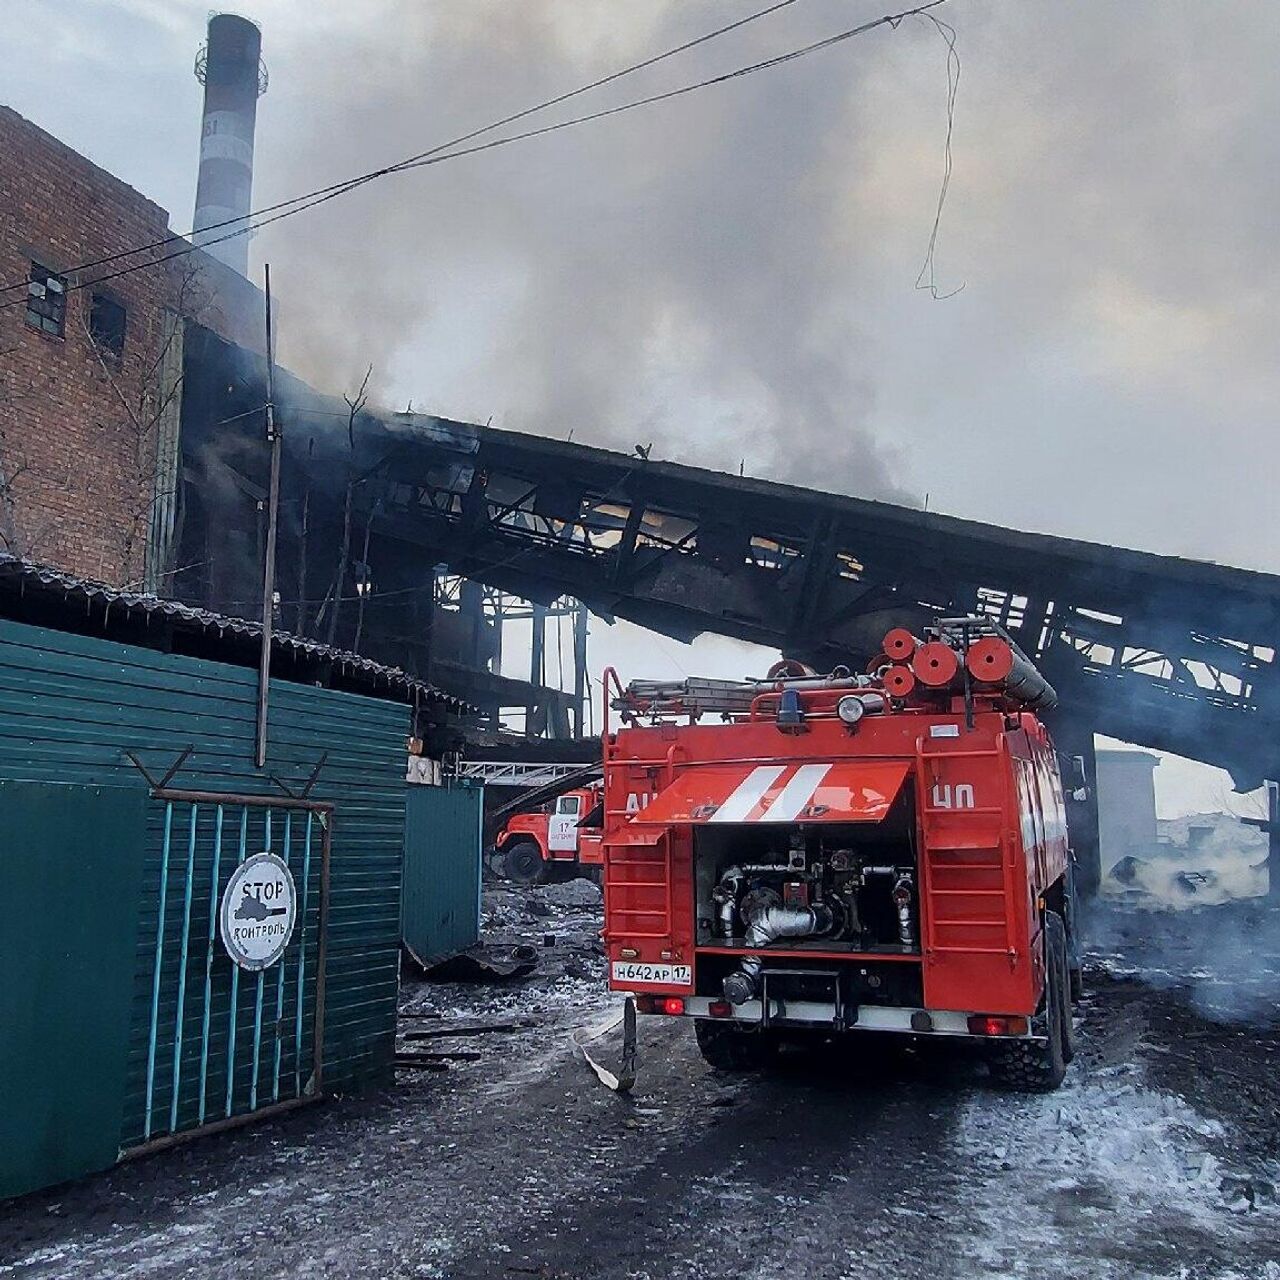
x=845, y=853
x=560, y=837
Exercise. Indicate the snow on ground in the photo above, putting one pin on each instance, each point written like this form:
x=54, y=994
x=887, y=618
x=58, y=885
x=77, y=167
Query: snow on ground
x=1114, y=1174
x=1054, y=1169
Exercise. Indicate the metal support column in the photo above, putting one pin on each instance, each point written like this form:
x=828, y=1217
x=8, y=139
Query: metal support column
x=579, y=670
x=1273, y=842
x=1075, y=743
x=537, y=666
x=1271, y=825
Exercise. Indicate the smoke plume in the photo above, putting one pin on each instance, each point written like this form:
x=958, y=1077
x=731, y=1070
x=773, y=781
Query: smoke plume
x=731, y=276
x=680, y=276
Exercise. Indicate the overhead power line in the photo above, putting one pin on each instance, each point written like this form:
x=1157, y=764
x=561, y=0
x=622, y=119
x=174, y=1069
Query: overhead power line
x=443, y=153
x=350, y=184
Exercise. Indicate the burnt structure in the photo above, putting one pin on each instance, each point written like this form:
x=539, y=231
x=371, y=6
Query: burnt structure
x=90, y=366
x=1167, y=653
x=342, y=576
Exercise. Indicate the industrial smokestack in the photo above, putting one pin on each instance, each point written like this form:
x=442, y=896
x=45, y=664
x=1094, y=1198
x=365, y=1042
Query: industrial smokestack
x=231, y=70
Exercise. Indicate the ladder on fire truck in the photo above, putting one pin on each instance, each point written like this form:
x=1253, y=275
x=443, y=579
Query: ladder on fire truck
x=639, y=884
x=964, y=867
x=639, y=887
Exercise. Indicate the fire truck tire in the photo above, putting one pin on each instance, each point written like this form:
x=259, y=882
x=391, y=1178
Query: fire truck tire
x=1039, y=1066
x=727, y=1047
x=524, y=863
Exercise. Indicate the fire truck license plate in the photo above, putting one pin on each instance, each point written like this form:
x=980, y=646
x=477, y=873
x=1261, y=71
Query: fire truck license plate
x=671, y=975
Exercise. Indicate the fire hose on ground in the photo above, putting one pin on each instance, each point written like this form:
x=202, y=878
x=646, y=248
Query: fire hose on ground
x=626, y=1077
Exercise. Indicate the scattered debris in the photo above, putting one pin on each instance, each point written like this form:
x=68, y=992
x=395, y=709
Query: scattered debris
x=486, y=962
x=1194, y=881
x=469, y=1029
x=418, y=1062
x=444, y=1055
x=1127, y=869
x=573, y=893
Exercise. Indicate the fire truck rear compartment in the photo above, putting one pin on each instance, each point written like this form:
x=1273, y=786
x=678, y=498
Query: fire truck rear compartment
x=809, y=887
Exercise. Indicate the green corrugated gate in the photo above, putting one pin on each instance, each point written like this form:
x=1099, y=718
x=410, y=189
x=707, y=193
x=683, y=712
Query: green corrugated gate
x=442, y=842
x=223, y=1043
x=70, y=706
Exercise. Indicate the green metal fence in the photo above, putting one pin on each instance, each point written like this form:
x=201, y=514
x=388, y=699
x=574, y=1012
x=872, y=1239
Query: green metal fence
x=71, y=707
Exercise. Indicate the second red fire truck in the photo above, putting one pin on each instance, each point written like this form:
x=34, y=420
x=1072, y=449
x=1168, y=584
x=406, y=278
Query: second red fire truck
x=847, y=853
x=561, y=838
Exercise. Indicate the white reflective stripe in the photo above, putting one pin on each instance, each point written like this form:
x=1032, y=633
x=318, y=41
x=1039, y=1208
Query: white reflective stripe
x=796, y=794
x=748, y=792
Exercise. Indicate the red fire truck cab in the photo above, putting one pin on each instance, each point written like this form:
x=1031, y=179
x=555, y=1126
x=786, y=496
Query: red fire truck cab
x=845, y=853
x=560, y=837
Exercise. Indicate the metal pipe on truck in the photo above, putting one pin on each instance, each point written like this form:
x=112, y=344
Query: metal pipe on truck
x=993, y=660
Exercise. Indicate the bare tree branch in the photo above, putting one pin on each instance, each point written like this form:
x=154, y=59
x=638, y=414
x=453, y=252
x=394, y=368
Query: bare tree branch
x=354, y=407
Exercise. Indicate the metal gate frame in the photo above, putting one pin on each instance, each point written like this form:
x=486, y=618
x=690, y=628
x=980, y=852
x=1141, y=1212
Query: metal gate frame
x=323, y=811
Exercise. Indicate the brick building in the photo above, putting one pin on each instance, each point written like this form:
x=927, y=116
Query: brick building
x=132, y=449
x=91, y=368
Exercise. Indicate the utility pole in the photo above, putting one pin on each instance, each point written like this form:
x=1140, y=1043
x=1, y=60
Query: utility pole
x=269, y=565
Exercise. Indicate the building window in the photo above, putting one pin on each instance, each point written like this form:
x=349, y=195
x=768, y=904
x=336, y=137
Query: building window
x=106, y=325
x=47, y=301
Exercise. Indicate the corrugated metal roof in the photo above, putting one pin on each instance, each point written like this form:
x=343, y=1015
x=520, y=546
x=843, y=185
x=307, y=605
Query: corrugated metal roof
x=53, y=585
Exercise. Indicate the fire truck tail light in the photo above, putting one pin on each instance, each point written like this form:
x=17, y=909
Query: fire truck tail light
x=673, y=1005
x=646, y=1004
x=720, y=1009
x=981, y=1024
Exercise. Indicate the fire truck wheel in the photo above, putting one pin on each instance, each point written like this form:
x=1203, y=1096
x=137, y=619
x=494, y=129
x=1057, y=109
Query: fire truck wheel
x=727, y=1047
x=1039, y=1067
x=524, y=863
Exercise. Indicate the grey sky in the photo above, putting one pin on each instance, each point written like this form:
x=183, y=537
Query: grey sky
x=731, y=275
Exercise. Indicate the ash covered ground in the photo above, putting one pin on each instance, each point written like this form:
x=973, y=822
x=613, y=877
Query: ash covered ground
x=1156, y=1159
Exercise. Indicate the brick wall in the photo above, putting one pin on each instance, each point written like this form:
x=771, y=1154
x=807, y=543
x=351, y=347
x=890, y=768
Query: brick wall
x=78, y=428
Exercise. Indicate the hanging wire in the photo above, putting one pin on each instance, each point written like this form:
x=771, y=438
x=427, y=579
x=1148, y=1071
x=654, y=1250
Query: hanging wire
x=927, y=279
